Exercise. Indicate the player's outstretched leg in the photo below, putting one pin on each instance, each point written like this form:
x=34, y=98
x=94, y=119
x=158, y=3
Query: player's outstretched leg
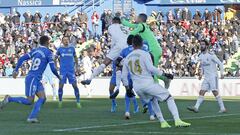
x=199, y=101
x=135, y=104
x=158, y=112
x=127, y=107
x=7, y=99
x=32, y=118
x=77, y=95
x=174, y=111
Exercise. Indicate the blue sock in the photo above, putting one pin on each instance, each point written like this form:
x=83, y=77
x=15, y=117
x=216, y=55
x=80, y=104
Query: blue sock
x=150, y=110
x=20, y=100
x=113, y=101
x=135, y=104
x=127, y=104
x=36, y=108
x=76, y=92
x=60, y=94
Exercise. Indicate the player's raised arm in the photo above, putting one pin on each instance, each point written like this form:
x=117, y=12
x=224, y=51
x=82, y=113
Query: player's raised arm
x=20, y=62
x=128, y=24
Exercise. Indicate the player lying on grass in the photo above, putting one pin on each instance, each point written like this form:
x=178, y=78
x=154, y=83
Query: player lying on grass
x=40, y=57
x=141, y=69
x=207, y=62
x=68, y=60
x=119, y=38
x=116, y=80
x=147, y=35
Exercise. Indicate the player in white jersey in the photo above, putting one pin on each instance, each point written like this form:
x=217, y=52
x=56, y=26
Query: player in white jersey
x=141, y=69
x=48, y=77
x=87, y=70
x=119, y=38
x=208, y=62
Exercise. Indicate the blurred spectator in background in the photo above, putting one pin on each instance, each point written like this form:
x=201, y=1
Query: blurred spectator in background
x=28, y=18
x=103, y=19
x=207, y=16
x=37, y=18
x=229, y=14
x=217, y=15
x=95, y=23
x=186, y=14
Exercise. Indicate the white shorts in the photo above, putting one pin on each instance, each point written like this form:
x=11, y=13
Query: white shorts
x=48, y=79
x=114, y=53
x=153, y=91
x=210, y=84
x=87, y=75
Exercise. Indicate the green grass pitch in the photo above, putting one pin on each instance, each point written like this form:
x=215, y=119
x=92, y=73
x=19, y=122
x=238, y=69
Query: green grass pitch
x=95, y=118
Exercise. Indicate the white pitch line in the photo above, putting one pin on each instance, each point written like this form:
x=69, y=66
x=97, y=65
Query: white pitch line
x=141, y=122
x=154, y=132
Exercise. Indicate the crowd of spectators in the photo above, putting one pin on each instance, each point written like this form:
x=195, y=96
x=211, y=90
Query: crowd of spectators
x=178, y=31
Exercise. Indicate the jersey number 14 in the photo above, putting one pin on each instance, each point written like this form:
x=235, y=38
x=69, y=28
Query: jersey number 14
x=135, y=67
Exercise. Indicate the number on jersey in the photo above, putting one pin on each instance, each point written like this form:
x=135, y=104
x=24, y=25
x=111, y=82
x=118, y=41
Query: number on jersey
x=35, y=64
x=135, y=67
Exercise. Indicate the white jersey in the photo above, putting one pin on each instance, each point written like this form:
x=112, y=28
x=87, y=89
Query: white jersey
x=140, y=66
x=48, y=71
x=87, y=64
x=208, y=63
x=118, y=35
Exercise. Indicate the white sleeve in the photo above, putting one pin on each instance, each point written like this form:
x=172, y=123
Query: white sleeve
x=149, y=65
x=125, y=74
x=220, y=64
x=113, y=35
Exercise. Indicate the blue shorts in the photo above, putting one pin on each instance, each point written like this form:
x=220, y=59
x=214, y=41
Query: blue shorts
x=33, y=85
x=113, y=80
x=68, y=75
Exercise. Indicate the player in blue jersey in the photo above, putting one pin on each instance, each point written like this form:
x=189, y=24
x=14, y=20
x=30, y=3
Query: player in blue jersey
x=68, y=64
x=40, y=57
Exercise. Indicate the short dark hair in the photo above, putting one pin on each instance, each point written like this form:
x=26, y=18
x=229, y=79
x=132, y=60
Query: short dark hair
x=143, y=17
x=137, y=41
x=116, y=20
x=43, y=40
x=66, y=37
x=130, y=39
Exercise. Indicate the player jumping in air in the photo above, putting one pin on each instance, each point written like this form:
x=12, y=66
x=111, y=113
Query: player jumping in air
x=40, y=57
x=141, y=69
x=147, y=35
x=68, y=60
x=119, y=38
x=208, y=62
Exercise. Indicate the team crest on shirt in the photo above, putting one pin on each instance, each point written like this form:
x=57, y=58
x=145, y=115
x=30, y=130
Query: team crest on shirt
x=69, y=50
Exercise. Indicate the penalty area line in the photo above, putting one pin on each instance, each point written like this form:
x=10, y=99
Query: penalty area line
x=137, y=123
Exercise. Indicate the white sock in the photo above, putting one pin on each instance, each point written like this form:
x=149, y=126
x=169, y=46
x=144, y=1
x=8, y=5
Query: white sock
x=220, y=102
x=157, y=110
x=199, y=101
x=173, y=108
x=54, y=91
x=118, y=79
x=97, y=71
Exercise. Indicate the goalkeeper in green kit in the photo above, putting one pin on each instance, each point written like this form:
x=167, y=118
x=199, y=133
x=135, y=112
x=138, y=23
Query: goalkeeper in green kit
x=155, y=49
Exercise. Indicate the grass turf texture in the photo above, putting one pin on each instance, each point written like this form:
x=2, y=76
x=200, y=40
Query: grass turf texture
x=95, y=118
